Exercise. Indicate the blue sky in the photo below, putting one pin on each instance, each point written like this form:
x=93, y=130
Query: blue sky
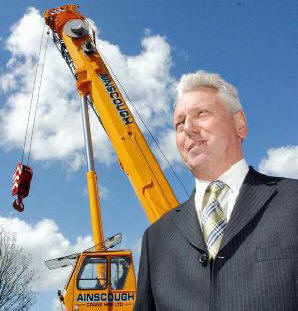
x=252, y=44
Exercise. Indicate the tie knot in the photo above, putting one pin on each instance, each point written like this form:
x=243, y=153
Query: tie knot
x=215, y=187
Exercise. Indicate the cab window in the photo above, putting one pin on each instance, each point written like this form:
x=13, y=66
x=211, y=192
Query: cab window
x=119, y=271
x=93, y=274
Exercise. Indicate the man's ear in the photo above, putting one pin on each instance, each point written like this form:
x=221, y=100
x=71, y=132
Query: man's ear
x=240, y=124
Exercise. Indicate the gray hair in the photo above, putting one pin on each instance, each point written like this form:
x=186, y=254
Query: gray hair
x=226, y=92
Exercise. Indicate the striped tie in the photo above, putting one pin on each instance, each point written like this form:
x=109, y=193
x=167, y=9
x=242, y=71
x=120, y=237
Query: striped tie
x=213, y=220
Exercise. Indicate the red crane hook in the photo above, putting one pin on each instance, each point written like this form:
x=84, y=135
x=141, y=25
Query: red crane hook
x=21, y=185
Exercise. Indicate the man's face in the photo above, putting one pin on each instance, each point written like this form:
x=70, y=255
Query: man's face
x=208, y=137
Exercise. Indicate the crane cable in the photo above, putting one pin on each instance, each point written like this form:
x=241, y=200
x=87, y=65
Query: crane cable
x=142, y=120
x=32, y=96
x=32, y=92
x=41, y=75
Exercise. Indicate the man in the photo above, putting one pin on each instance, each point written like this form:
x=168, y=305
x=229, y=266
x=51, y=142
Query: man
x=233, y=245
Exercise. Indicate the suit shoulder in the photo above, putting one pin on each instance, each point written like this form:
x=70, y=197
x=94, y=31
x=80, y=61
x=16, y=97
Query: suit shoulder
x=271, y=178
x=263, y=178
x=166, y=219
x=289, y=186
x=282, y=183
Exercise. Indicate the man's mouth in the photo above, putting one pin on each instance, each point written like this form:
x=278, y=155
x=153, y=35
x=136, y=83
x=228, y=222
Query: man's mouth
x=196, y=145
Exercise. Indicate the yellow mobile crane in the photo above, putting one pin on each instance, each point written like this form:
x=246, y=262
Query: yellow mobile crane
x=103, y=279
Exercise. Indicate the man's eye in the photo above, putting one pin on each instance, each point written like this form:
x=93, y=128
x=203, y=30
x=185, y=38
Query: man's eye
x=179, y=126
x=202, y=113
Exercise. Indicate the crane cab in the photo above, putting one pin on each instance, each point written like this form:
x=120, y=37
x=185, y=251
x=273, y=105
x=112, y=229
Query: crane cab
x=100, y=280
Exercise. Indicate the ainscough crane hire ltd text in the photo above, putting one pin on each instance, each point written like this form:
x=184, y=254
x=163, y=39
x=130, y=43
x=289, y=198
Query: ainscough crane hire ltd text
x=117, y=101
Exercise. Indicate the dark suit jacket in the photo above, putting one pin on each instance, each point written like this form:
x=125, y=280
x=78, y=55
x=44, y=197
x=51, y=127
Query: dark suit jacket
x=257, y=264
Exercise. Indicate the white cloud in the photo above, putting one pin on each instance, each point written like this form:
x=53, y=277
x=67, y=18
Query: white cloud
x=147, y=32
x=33, y=21
x=44, y=241
x=103, y=192
x=56, y=305
x=281, y=161
x=58, y=131
x=78, y=159
x=146, y=78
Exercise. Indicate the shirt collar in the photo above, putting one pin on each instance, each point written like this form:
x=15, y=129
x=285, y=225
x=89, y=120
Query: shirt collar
x=233, y=177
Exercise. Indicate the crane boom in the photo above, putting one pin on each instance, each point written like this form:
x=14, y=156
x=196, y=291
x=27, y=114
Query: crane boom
x=95, y=81
x=112, y=284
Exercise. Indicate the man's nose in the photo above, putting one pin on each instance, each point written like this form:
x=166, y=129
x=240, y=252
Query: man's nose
x=190, y=126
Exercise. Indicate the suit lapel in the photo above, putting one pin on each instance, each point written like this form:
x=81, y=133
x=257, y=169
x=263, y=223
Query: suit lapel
x=254, y=193
x=186, y=220
x=256, y=190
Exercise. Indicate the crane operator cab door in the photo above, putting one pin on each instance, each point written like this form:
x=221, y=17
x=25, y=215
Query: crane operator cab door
x=104, y=281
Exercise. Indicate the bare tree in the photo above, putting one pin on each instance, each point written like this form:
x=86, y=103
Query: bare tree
x=16, y=275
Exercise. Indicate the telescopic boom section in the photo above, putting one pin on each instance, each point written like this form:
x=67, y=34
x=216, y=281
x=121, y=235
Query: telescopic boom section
x=95, y=81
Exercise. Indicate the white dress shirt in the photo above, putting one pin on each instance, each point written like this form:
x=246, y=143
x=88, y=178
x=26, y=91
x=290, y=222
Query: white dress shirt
x=233, y=178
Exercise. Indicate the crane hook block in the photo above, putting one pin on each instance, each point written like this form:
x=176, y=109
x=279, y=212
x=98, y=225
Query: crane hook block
x=21, y=185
